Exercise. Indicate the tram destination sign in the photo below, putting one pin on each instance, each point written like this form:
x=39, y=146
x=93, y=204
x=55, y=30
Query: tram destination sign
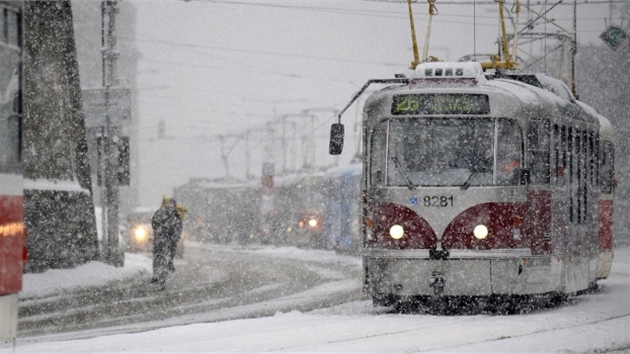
x=447, y=103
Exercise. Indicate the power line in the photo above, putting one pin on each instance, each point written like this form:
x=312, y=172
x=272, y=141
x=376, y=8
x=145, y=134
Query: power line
x=260, y=52
x=492, y=2
x=356, y=12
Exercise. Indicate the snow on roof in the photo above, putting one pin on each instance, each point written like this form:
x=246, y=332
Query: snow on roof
x=295, y=177
x=523, y=92
x=535, y=95
x=54, y=185
x=223, y=184
x=555, y=86
x=605, y=126
x=353, y=169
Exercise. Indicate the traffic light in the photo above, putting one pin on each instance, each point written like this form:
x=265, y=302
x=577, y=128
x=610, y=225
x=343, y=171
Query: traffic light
x=124, y=177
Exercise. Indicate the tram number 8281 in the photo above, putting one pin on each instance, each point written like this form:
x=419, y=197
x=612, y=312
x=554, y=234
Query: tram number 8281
x=436, y=201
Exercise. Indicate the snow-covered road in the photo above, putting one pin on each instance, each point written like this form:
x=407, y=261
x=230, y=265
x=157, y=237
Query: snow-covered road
x=212, y=283
x=596, y=322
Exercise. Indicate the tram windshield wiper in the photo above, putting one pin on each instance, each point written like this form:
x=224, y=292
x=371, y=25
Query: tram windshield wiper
x=478, y=164
x=401, y=169
x=467, y=183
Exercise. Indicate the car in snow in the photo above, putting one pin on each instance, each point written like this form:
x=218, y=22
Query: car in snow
x=138, y=235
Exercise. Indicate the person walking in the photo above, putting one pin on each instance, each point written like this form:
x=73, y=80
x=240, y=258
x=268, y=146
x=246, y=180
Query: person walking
x=167, y=227
x=172, y=247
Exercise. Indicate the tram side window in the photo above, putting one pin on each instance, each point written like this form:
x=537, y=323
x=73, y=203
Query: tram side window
x=588, y=169
x=509, y=152
x=607, y=167
x=538, y=146
x=597, y=153
x=578, y=175
x=563, y=159
x=555, y=155
x=593, y=153
x=377, y=154
x=573, y=150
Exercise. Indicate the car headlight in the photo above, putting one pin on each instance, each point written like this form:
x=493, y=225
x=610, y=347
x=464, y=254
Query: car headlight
x=396, y=232
x=140, y=233
x=312, y=222
x=480, y=231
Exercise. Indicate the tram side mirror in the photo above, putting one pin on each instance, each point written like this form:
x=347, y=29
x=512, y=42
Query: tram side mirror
x=336, y=139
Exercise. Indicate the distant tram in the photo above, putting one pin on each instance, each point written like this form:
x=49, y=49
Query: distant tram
x=480, y=187
x=12, y=233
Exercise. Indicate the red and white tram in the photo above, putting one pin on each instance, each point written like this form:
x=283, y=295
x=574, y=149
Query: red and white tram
x=478, y=187
x=12, y=233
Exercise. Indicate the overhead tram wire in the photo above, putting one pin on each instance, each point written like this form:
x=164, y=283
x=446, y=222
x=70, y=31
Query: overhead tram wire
x=356, y=12
x=260, y=72
x=492, y=2
x=233, y=61
x=251, y=51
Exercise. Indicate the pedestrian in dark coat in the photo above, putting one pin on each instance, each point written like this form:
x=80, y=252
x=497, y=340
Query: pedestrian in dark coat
x=175, y=240
x=167, y=227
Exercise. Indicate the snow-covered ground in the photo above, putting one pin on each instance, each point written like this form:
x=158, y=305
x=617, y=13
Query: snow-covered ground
x=598, y=322
x=59, y=281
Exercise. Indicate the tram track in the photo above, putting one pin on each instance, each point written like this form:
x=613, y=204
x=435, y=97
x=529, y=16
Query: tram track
x=246, y=284
x=546, y=331
x=593, y=322
x=431, y=332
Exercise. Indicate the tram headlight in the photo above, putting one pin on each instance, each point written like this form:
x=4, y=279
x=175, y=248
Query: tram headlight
x=312, y=222
x=480, y=231
x=396, y=232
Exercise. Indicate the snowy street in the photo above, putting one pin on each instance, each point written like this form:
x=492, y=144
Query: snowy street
x=314, y=176
x=287, y=320
x=211, y=283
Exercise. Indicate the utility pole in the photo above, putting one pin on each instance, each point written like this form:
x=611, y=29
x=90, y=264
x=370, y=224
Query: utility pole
x=112, y=253
x=284, y=146
x=247, y=156
x=227, y=150
x=310, y=112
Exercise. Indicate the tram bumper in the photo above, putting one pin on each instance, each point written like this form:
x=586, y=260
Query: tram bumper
x=413, y=277
x=405, y=274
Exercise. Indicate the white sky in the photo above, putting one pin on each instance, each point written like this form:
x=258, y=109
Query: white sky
x=228, y=67
x=592, y=323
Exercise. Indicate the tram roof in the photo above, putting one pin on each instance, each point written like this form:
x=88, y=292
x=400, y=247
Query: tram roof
x=354, y=169
x=533, y=93
x=297, y=177
x=606, y=131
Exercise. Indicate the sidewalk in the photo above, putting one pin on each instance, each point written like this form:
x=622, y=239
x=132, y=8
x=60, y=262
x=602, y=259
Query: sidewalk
x=91, y=274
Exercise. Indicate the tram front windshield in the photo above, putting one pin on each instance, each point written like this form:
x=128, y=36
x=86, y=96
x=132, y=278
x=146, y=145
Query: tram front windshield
x=446, y=152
